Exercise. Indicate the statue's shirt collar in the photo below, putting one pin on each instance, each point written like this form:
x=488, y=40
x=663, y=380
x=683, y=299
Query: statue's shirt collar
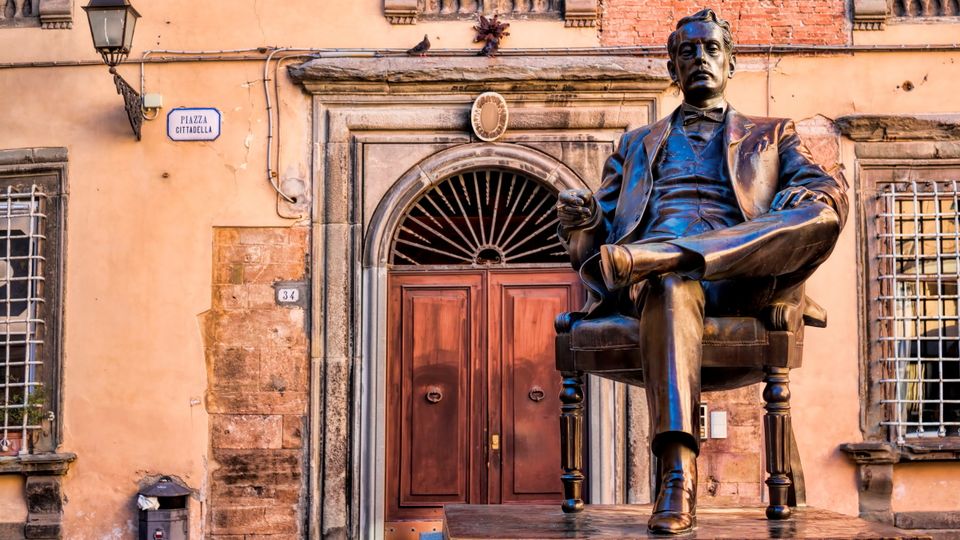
x=690, y=114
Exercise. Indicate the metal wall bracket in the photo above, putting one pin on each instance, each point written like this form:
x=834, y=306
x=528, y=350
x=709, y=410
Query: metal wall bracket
x=131, y=101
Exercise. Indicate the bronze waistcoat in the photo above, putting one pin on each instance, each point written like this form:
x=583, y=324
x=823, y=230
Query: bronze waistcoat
x=691, y=195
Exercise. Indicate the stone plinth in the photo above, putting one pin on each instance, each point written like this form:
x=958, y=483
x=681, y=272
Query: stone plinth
x=478, y=522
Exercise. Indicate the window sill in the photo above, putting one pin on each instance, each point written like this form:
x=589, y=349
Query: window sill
x=877, y=453
x=44, y=464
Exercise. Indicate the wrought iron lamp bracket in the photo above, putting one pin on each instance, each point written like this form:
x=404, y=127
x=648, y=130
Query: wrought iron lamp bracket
x=132, y=101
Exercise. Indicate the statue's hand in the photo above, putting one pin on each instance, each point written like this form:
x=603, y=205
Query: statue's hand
x=793, y=197
x=575, y=208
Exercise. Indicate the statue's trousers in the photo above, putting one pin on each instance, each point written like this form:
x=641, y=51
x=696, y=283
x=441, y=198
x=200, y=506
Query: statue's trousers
x=744, y=268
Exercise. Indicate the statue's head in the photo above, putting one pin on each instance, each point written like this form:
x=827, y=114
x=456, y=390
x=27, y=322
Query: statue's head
x=701, y=56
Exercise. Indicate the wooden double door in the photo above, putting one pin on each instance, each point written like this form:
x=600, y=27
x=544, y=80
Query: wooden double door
x=472, y=391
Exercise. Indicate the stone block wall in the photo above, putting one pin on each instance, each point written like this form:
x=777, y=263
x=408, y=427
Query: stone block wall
x=730, y=471
x=258, y=370
x=759, y=22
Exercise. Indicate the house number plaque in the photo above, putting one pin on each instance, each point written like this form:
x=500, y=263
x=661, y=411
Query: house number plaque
x=489, y=116
x=291, y=293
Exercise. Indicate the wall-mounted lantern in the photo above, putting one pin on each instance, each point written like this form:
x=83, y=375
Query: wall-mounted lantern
x=112, y=23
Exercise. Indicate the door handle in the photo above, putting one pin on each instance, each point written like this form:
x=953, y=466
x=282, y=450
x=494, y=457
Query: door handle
x=434, y=395
x=536, y=394
x=495, y=442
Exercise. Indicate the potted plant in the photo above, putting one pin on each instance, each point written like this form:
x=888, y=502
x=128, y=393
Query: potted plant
x=34, y=411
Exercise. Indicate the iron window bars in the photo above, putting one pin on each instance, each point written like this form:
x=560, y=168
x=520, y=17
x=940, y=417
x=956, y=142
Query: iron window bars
x=918, y=235
x=23, y=221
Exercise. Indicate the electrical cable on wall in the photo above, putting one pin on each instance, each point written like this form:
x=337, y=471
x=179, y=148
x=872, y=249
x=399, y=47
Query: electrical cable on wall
x=310, y=53
x=271, y=53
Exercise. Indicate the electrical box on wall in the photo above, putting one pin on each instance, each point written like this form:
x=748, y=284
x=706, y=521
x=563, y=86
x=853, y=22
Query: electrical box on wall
x=718, y=424
x=153, y=101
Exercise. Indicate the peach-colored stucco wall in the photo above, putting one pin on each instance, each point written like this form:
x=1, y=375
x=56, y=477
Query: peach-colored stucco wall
x=12, y=505
x=141, y=218
x=926, y=487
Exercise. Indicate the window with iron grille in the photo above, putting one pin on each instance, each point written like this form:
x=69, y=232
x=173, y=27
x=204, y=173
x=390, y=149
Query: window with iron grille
x=31, y=209
x=916, y=252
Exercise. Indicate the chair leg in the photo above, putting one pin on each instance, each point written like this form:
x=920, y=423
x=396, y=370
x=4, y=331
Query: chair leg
x=798, y=487
x=776, y=430
x=571, y=440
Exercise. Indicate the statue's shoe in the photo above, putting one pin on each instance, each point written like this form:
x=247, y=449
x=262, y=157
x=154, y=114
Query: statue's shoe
x=676, y=506
x=625, y=265
x=672, y=523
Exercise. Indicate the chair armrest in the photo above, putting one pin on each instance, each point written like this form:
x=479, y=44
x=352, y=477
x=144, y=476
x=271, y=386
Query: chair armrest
x=565, y=321
x=780, y=316
x=813, y=313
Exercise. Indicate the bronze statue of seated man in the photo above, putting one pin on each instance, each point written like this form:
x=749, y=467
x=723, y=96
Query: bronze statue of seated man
x=707, y=212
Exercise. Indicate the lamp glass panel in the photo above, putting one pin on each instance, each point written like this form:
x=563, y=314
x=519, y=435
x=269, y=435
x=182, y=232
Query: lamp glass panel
x=131, y=25
x=107, y=27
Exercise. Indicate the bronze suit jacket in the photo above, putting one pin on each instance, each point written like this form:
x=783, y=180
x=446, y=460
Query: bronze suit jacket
x=763, y=157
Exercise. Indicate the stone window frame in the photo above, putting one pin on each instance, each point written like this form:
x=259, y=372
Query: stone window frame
x=898, y=147
x=43, y=471
x=892, y=148
x=47, y=14
x=576, y=13
x=47, y=169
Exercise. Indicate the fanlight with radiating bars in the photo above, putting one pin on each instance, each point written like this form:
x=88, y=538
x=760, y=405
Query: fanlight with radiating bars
x=486, y=217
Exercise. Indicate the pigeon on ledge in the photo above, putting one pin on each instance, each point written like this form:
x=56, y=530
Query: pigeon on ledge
x=490, y=47
x=420, y=49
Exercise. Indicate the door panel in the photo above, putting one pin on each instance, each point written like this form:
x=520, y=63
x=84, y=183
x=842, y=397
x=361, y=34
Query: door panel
x=471, y=356
x=435, y=398
x=522, y=309
x=435, y=373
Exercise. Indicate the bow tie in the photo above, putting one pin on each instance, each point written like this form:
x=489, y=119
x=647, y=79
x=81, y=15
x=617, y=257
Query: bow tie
x=691, y=115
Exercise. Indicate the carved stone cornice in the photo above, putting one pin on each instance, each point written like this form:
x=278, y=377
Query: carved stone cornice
x=56, y=14
x=892, y=128
x=870, y=14
x=400, y=11
x=38, y=464
x=581, y=12
x=468, y=74
x=576, y=13
x=871, y=453
x=884, y=453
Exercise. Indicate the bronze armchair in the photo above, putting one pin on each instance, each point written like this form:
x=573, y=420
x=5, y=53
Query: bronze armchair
x=737, y=351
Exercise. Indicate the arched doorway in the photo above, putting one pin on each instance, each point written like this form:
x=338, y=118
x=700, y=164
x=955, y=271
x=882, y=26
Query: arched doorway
x=476, y=277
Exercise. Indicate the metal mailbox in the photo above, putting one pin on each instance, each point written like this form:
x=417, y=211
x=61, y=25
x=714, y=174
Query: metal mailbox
x=169, y=521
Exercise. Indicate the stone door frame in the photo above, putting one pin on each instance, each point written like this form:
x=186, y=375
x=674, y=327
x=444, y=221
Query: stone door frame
x=557, y=104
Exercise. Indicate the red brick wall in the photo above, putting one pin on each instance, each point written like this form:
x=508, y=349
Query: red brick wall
x=258, y=369
x=798, y=22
